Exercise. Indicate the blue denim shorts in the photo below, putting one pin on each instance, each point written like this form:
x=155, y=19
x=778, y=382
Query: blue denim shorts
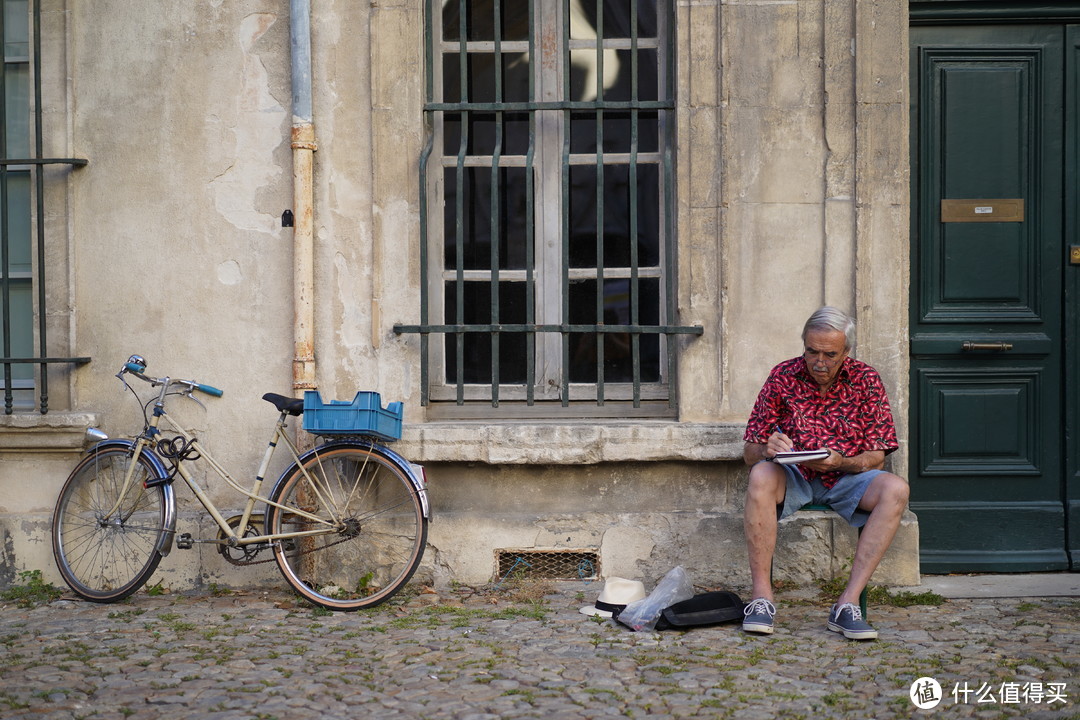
x=843, y=497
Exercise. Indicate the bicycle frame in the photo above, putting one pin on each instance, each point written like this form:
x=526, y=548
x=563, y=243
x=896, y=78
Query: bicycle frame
x=143, y=446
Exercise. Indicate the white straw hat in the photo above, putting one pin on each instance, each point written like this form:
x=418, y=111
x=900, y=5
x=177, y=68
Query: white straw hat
x=616, y=595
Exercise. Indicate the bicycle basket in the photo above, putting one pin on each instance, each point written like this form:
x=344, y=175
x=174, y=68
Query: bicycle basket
x=363, y=416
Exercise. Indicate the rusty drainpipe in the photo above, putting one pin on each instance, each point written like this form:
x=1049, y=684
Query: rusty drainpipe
x=303, y=151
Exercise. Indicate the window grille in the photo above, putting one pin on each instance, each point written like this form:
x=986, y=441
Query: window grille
x=547, y=248
x=22, y=213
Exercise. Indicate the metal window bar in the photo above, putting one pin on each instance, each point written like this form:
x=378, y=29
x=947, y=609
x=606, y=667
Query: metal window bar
x=635, y=298
x=530, y=233
x=459, y=287
x=436, y=105
x=496, y=154
x=599, y=198
x=36, y=163
x=564, y=189
x=668, y=221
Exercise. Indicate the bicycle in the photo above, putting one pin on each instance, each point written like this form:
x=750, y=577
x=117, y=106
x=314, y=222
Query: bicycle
x=346, y=522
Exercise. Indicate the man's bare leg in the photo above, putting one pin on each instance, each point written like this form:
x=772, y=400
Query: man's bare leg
x=765, y=490
x=885, y=500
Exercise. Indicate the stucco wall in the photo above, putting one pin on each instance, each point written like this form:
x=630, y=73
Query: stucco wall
x=791, y=192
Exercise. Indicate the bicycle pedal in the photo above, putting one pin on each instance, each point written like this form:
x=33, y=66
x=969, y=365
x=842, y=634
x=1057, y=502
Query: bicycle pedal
x=184, y=541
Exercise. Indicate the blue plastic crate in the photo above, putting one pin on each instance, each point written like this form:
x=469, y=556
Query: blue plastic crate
x=365, y=415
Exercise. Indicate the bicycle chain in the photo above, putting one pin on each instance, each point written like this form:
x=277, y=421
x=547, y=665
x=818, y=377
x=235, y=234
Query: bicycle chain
x=245, y=563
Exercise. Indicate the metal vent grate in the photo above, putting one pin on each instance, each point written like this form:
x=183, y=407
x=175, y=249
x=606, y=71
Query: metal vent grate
x=548, y=564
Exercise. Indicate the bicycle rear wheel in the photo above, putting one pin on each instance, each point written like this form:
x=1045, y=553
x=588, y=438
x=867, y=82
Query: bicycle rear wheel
x=106, y=558
x=376, y=529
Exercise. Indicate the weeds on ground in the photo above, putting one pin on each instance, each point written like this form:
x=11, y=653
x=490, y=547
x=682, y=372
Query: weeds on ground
x=34, y=591
x=879, y=595
x=525, y=590
x=784, y=585
x=218, y=590
x=518, y=587
x=156, y=590
x=454, y=616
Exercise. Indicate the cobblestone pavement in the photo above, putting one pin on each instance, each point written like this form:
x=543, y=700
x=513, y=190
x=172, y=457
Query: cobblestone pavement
x=474, y=655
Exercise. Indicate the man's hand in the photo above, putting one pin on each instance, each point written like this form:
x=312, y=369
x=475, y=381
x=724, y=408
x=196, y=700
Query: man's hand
x=869, y=460
x=756, y=452
x=778, y=443
x=828, y=464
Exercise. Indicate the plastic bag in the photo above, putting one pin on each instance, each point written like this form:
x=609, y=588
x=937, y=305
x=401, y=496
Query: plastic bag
x=643, y=614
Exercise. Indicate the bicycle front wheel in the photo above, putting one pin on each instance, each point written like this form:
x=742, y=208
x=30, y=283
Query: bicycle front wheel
x=375, y=529
x=105, y=546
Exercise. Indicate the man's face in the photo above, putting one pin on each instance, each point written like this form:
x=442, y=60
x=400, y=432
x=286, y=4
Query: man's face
x=824, y=353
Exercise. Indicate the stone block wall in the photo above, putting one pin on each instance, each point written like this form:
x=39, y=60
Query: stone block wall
x=791, y=192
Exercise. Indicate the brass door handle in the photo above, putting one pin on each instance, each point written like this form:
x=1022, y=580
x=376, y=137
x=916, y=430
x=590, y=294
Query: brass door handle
x=968, y=346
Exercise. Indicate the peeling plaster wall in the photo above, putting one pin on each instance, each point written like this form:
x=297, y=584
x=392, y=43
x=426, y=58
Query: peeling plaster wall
x=791, y=191
x=183, y=113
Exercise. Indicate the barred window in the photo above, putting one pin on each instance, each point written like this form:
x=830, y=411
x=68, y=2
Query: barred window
x=24, y=317
x=546, y=192
x=16, y=286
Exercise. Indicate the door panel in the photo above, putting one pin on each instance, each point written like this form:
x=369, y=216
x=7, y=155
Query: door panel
x=1072, y=293
x=956, y=446
x=986, y=473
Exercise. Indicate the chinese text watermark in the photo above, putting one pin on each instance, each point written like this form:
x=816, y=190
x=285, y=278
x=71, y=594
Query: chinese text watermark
x=927, y=693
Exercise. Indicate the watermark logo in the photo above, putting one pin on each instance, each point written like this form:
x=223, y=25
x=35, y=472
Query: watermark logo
x=925, y=693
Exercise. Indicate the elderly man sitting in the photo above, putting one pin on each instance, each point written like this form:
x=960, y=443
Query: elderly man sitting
x=823, y=399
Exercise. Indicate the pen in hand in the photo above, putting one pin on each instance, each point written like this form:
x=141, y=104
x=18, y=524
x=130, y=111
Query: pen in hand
x=784, y=438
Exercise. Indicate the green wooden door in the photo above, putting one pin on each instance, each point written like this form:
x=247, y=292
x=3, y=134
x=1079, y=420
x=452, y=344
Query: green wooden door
x=989, y=266
x=1072, y=294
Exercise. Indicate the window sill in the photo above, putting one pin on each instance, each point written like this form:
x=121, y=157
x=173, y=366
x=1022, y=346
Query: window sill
x=54, y=432
x=570, y=443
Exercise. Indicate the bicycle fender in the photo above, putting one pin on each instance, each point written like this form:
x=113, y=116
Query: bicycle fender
x=404, y=465
x=165, y=546
x=418, y=481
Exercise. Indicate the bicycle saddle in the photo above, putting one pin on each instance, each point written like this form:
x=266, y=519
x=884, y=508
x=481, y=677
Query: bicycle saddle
x=293, y=406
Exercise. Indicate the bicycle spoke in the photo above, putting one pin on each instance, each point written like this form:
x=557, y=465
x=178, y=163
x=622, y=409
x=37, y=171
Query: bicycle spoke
x=405, y=502
x=324, y=497
x=341, y=481
x=107, y=558
x=381, y=535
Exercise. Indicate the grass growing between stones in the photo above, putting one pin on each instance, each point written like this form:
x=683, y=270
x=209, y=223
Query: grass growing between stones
x=880, y=595
x=34, y=590
x=458, y=616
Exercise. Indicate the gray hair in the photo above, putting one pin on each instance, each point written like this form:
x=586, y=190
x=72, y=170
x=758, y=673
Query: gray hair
x=829, y=318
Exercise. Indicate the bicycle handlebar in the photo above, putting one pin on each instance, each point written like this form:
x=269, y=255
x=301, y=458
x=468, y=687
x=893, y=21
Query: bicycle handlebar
x=136, y=365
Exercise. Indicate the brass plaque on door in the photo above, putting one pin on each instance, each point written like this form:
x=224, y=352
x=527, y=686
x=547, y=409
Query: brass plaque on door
x=997, y=210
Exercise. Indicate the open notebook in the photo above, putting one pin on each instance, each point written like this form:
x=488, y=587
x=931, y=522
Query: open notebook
x=797, y=456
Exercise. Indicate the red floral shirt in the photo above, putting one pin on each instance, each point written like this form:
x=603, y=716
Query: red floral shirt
x=851, y=418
